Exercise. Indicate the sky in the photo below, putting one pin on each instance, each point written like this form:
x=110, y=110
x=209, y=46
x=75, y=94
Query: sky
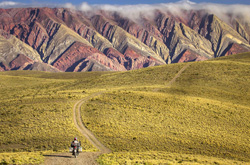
x=126, y=2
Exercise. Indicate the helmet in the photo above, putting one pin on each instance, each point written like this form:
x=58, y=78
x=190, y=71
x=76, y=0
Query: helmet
x=75, y=138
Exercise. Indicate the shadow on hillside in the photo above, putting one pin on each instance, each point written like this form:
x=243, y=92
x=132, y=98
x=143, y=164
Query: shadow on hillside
x=59, y=156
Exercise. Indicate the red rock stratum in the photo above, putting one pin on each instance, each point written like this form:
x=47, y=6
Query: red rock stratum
x=58, y=39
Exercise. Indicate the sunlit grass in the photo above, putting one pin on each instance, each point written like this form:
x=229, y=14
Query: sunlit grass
x=204, y=117
x=146, y=121
x=36, y=113
x=206, y=111
x=21, y=158
x=160, y=157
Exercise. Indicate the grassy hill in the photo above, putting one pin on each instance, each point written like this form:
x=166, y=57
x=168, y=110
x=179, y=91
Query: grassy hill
x=205, y=112
x=36, y=115
x=203, y=117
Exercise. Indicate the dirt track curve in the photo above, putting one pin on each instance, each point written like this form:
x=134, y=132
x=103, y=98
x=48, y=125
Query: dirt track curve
x=87, y=133
x=84, y=158
x=88, y=158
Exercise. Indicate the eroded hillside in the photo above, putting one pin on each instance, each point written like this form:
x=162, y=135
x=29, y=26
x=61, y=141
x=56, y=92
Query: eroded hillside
x=58, y=39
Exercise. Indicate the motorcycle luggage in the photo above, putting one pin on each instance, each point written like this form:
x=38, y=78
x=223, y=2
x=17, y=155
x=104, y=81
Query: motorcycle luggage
x=80, y=149
x=70, y=149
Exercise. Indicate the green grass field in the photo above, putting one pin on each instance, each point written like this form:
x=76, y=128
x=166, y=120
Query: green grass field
x=202, y=118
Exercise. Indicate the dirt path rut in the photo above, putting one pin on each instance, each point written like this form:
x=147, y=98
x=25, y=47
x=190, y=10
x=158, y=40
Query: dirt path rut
x=175, y=77
x=178, y=74
x=88, y=158
x=85, y=158
x=87, y=133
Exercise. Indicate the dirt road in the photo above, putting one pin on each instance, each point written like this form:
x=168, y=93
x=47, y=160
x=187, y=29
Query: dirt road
x=88, y=158
x=85, y=158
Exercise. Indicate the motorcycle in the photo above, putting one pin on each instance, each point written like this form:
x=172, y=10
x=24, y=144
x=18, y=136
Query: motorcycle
x=74, y=150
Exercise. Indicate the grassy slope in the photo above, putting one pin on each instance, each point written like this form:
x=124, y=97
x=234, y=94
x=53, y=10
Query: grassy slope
x=204, y=113
x=36, y=114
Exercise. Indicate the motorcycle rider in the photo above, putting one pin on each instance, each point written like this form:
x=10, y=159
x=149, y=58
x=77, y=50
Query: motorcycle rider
x=74, y=143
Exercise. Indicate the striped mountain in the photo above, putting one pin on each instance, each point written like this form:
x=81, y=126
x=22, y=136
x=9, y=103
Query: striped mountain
x=58, y=39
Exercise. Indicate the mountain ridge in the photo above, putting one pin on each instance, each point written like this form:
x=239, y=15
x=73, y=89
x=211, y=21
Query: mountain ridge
x=111, y=41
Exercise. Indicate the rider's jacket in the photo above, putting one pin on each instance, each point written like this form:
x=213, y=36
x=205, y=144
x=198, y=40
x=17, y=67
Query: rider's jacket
x=75, y=143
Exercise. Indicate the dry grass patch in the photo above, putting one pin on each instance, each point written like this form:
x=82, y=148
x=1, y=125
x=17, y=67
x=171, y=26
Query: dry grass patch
x=203, y=115
x=144, y=121
x=36, y=114
x=166, y=158
x=21, y=158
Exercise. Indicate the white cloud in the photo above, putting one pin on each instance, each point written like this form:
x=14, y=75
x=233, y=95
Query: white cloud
x=8, y=4
x=85, y=7
x=69, y=5
x=135, y=11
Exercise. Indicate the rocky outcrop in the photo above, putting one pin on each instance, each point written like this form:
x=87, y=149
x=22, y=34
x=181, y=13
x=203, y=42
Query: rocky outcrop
x=241, y=30
x=60, y=39
x=41, y=66
x=4, y=67
x=189, y=55
x=146, y=33
x=221, y=35
x=165, y=24
x=78, y=57
x=14, y=54
x=183, y=38
x=121, y=40
x=235, y=49
x=135, y=60
x=20, y=62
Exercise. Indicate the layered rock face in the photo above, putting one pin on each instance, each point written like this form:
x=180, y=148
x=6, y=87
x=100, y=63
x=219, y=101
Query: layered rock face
x=60, y=39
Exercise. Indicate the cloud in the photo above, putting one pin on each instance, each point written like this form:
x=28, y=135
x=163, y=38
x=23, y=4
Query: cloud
x=85, y=7
x=69, y=5
x=9, y=4
x=135, y=11
x=224, y=12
